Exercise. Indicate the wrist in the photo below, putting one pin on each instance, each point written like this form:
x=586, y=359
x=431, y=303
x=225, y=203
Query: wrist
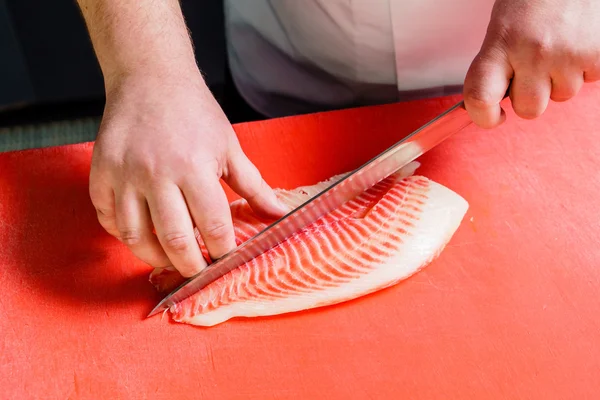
x=153, y=76
x=133, y=38
x=154, y=68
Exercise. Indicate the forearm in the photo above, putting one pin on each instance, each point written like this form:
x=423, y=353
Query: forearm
x=133, y=37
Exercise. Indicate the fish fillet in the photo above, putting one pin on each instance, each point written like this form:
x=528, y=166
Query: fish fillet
x=385, y=235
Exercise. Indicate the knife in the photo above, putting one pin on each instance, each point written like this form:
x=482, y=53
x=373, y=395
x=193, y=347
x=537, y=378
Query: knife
x=351, y=185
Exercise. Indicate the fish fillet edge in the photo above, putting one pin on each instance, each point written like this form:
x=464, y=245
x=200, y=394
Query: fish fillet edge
x=441, y=217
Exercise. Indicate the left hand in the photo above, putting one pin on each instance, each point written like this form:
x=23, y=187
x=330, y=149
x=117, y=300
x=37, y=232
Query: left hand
x=548, y=48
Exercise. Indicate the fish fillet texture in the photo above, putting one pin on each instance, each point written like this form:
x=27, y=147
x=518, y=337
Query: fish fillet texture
x=383, y=236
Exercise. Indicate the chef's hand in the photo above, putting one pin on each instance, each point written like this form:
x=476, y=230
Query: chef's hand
x=549, y=48
x=162, y=146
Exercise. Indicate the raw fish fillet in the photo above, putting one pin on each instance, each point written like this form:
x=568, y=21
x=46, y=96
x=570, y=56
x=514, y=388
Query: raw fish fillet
x=385, y=235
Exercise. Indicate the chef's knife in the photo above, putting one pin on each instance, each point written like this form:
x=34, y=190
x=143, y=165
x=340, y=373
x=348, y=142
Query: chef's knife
x=353, y=184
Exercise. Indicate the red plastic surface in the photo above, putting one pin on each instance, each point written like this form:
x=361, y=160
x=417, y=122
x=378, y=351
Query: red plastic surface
x=509, y=310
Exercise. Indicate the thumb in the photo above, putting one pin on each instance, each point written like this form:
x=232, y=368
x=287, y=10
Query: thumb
x=486, y=83
x=245, y=179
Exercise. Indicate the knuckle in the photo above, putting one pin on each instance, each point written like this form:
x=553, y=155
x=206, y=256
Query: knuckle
x=105, y=212
x=216, y=230
x=479, y=98
x=103, y=167
x=539, y=46
x=207, y=164
x=176, y=242
x=152, y=174
x=130, y=237
x=140, y=170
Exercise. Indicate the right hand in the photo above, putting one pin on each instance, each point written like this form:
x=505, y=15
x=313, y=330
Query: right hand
x=162, y=147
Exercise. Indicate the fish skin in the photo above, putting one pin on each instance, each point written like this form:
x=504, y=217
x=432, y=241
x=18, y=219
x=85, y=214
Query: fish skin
x=384, y=236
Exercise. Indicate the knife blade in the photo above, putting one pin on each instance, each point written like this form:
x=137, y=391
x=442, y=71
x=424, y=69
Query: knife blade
x=351, y=185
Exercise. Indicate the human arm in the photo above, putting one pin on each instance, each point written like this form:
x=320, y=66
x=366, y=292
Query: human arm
x=164, y=142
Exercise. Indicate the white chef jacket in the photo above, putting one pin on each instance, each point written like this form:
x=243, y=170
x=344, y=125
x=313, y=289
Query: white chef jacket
x=297, y=56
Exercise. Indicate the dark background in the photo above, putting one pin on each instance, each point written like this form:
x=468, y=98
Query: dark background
x=48, y=70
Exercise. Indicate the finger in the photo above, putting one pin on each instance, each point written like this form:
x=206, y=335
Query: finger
x=173, y=224
x=530, y=93
x=566, y=85
x=245, y=179
x=210, y=209
x=486, y=83
x=135, y=229
x=103, y=198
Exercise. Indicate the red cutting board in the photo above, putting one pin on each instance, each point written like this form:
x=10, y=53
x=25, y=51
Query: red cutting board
x=509, y=311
